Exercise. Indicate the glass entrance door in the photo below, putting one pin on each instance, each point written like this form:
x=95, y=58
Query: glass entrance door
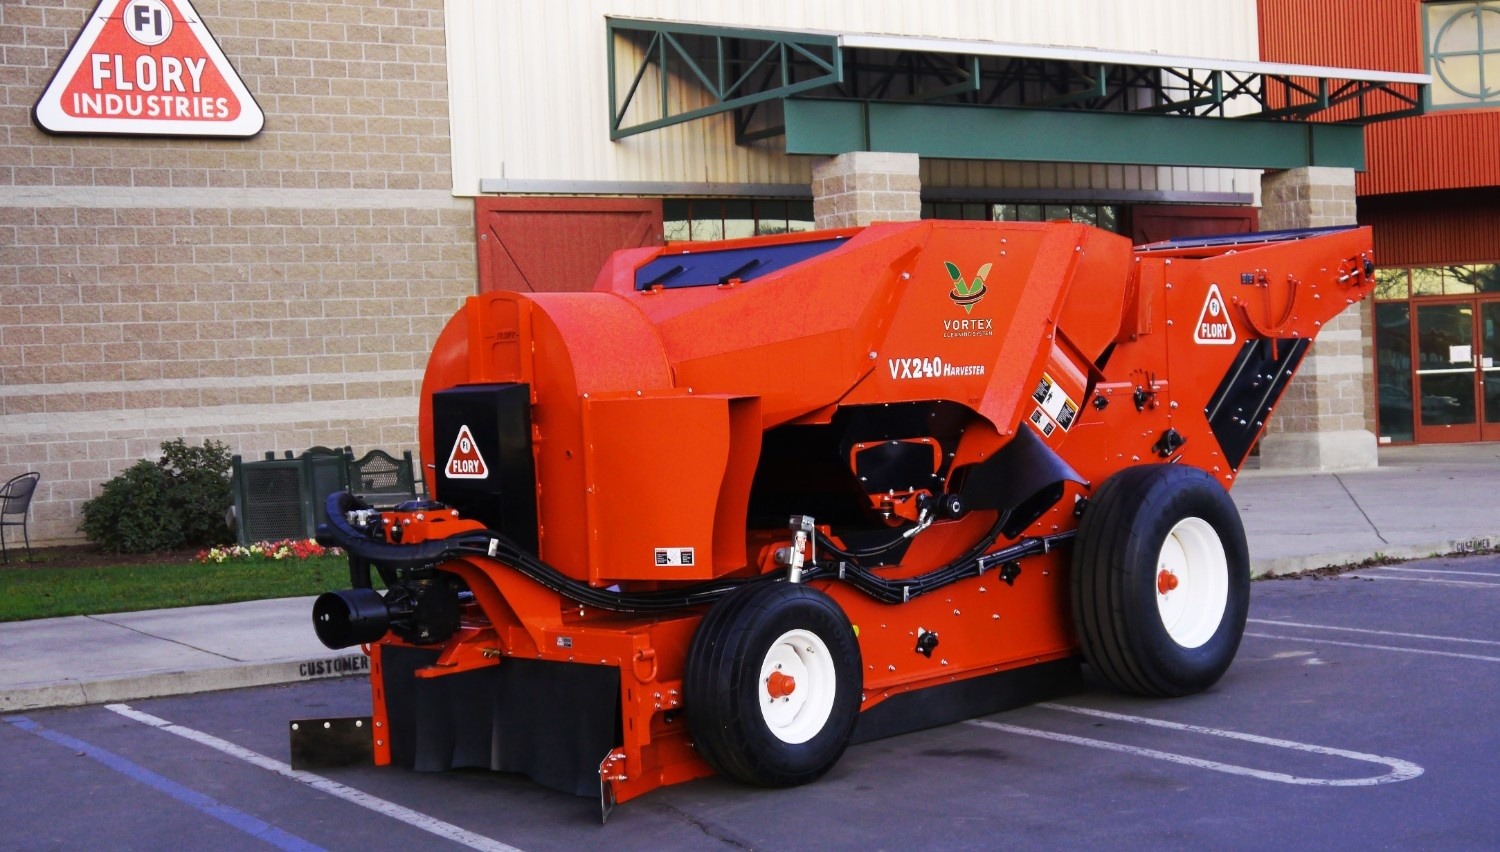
x=1457, y=351
x=1488, y=320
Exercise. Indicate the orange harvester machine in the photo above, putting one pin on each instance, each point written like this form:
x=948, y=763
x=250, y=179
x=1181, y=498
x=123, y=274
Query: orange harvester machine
x=747, y=502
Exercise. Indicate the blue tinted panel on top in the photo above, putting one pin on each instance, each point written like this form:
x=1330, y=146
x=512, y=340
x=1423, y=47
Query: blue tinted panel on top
x=712, y=268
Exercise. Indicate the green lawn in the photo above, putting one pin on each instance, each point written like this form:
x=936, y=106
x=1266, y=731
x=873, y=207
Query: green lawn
x=40, y=592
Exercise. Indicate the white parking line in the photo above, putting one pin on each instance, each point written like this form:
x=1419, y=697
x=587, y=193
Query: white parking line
x=1480, y=657
x=1470, y=584
x=1491, y=574
x=1373, y=632
x=1400, y=770
x=412, y=818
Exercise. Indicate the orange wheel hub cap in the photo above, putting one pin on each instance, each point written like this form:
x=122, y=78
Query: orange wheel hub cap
x=780, y=685
x=1166, y=581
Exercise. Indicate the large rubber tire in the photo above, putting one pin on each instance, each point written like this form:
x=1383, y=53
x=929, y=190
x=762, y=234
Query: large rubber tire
x=1160, y=581
x=762, y=733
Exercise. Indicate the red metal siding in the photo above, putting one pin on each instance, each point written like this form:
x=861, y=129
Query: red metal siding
x=546, y=245
x=1442, y=150
x=1380, y=35
x=1433, y=229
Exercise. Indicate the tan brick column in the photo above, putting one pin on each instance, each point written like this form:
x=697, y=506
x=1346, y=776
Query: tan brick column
x=866, y=186
x=1320, y=423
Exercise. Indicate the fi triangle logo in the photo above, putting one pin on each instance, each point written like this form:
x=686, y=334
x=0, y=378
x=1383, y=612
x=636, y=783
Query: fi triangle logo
x=147, y=68
x=465, y=462
x=1214, y=325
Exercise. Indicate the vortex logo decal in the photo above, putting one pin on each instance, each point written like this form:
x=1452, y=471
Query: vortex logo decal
x=966, y=295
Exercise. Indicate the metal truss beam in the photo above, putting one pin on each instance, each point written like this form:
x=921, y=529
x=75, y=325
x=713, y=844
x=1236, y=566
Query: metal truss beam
x=736, y=67
x=763, y=75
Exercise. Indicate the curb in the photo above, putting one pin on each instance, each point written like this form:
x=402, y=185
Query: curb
x=76, y=693
x=1283, y=565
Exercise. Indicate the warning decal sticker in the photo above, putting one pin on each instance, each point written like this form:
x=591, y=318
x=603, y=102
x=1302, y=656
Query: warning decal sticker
x=675, y=557
x=1214, y=326
x=1044, y=390
x=147, y=67
x=1059, y=409
x=1043, y=423
x=1067, y=413
x=465, y=462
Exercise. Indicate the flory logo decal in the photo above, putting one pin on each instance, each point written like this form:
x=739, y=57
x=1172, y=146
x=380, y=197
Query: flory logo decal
x=966, y=295
x=149, y=68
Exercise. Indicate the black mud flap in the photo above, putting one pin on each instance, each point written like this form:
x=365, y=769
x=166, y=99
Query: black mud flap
x=968, y=699
x=547, y=720
x=330, y=743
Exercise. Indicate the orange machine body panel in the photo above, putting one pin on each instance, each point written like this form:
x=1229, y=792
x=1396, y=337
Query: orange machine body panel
x=672, y=415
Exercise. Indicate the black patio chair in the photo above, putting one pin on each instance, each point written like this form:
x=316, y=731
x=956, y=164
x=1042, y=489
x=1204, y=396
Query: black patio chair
x=15, y=500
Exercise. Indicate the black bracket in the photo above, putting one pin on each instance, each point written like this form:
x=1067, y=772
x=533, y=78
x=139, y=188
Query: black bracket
x=1142, y=396
x=1009, y=572
x=927, y=641
x=1168, y=443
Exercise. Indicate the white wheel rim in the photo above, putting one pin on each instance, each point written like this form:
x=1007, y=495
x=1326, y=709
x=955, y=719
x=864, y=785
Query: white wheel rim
x=796, y=686
x=1192, y=582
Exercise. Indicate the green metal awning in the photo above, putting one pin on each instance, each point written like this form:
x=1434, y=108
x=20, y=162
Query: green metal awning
x=831, y=93
x=832, y=127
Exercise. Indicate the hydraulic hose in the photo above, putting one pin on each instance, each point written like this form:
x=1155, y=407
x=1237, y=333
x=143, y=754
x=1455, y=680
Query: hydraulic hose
x=403, y=559
x=408, y=558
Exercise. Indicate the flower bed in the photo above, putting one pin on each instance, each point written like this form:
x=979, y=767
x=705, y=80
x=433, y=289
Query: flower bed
x=268, y=551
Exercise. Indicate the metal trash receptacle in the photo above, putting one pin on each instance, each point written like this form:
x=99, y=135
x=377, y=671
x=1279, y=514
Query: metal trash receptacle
x=278, y=499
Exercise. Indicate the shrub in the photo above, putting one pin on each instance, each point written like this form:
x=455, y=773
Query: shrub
x=178, y=501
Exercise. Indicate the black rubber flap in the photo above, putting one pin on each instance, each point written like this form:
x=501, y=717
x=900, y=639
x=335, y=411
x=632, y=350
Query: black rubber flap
x=550, y=721
x=967, y=699
x=328, y=743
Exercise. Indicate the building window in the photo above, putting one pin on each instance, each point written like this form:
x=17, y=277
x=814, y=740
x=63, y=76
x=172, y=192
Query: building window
x=701, y=219
x=1463, y=54
x=1106, y=216
x=1393, y=370
x=1467, y=280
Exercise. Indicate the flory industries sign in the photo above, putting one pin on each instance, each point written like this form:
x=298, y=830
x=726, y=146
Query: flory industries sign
x=147, y=68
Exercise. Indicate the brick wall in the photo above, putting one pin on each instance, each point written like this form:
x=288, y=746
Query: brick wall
x=866, y=186
x=1325, y=420
x=271, y=293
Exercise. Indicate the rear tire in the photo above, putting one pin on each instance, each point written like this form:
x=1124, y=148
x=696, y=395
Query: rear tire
x=1160, y=582
x=772, y=687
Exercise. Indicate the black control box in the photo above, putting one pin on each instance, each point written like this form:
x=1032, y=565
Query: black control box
x=484, y=466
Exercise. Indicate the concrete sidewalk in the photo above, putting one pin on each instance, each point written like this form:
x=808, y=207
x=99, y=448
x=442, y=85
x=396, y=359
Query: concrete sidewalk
x=1420, y=501
x=94, y=659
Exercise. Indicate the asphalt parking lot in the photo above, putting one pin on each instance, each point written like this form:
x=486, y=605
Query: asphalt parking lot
x=1358, y=714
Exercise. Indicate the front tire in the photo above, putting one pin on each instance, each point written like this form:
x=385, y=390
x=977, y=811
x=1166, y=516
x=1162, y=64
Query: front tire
x=772, y=687
x=1160, y=582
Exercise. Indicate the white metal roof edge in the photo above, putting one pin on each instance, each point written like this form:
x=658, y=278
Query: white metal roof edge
x=1119, y=57
x=933, y=44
